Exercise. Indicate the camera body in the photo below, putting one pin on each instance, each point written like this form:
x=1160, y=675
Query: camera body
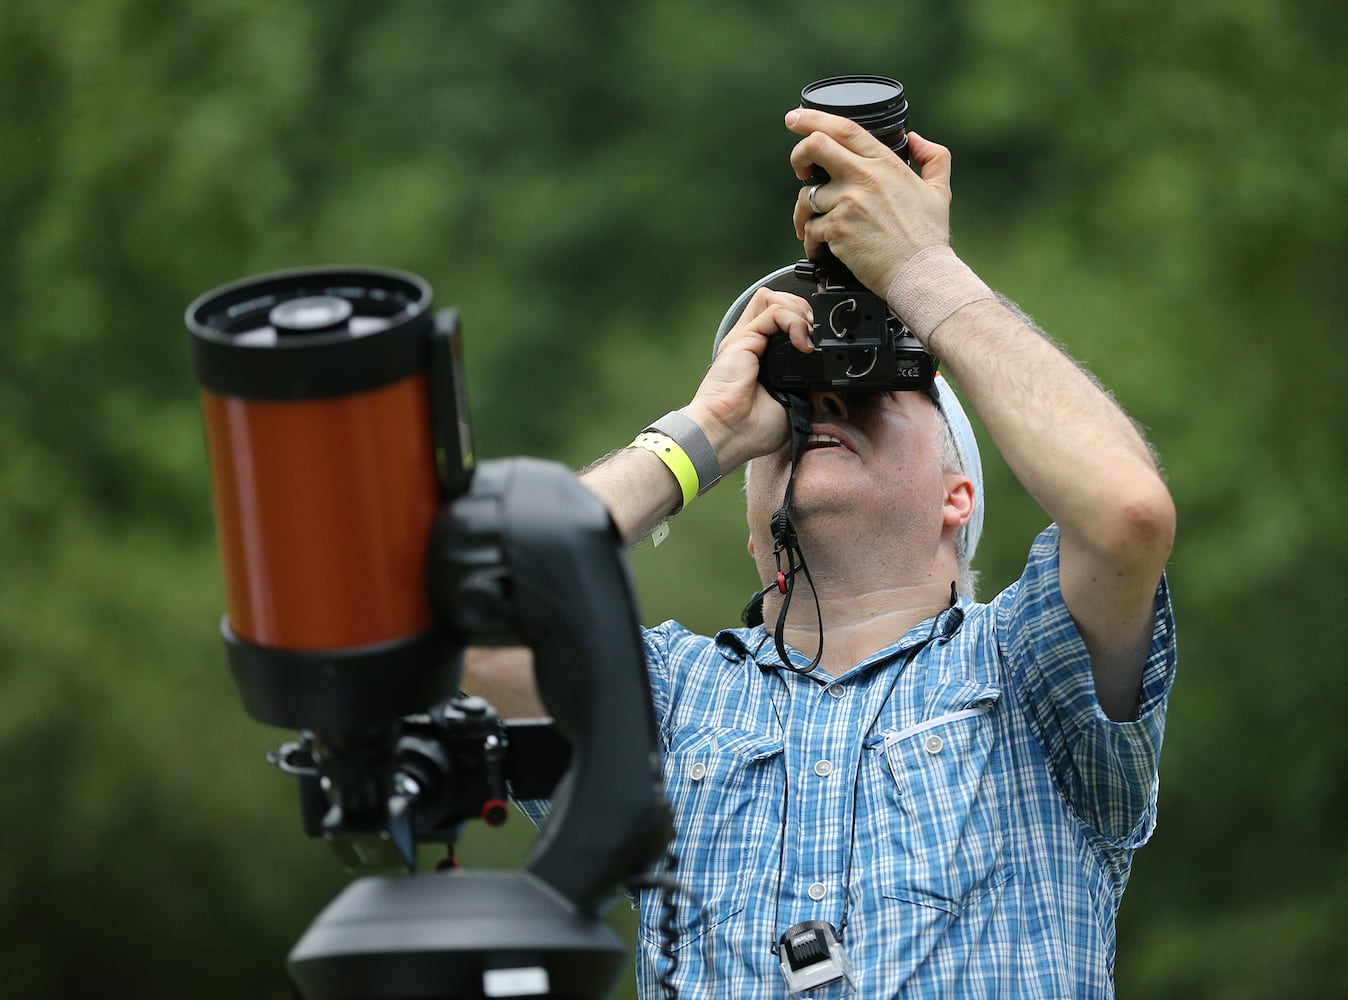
x=859, y=346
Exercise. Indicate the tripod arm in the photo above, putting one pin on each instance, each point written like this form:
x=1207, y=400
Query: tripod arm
x=528, y=555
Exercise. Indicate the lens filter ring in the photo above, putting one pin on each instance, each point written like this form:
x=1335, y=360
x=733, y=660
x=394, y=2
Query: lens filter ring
x=876, y=103
x=310, y=333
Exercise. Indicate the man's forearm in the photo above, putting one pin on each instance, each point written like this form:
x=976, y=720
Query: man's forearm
x=1084, y=461
x=637, y=489
x=1067, y=441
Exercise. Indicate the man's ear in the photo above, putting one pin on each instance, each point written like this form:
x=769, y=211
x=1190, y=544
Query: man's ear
x=959, y=500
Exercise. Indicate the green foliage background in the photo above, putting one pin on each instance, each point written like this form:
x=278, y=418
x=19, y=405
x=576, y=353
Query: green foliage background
x=1163, y=186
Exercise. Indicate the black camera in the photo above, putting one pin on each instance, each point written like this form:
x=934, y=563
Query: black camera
x=859, y=345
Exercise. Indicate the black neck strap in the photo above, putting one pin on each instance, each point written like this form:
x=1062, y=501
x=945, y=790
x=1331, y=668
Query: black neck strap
x=786, y=549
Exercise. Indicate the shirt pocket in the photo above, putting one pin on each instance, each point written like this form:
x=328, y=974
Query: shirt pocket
x=725, y=791
x=946, y=816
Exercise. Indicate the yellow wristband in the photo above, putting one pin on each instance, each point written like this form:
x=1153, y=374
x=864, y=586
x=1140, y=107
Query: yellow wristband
x=668, y=451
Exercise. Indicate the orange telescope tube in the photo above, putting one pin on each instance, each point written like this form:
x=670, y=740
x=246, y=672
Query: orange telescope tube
x=316, y=391
x=323, y=509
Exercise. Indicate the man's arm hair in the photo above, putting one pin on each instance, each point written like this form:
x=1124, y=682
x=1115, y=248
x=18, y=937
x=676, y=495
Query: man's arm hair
x=1032, y=324
x=1086, y=462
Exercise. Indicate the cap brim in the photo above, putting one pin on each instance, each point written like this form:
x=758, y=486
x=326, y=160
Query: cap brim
x=781, y=280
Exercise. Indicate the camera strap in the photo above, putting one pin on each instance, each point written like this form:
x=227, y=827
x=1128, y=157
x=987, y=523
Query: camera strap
x=786, y=547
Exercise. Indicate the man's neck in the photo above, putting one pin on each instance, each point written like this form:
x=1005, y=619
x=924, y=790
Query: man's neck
x=859, y=615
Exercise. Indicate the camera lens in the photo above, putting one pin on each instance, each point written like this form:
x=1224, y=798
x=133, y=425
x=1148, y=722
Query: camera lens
x=876, y=103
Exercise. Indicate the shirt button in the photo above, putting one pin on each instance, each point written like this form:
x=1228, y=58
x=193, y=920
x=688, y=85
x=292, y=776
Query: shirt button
x=698, y=771
x=838, y=692
x=823, y=768
x=933, y=743
x=817, y=891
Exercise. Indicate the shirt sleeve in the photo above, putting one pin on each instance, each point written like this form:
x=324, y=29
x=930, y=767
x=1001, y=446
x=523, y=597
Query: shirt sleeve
x=1107, y=770
x=655, y=644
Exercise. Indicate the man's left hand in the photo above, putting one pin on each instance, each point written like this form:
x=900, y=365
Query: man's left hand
x=875, y=211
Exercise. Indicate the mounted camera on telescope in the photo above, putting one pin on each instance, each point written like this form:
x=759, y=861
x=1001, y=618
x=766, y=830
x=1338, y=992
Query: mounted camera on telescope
x=363, y=549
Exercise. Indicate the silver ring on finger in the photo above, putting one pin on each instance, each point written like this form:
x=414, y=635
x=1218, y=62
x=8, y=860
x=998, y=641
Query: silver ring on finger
x=809, y=197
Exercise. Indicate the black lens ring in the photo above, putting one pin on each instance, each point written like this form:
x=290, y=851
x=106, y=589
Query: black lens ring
x=876, y=114
x=313, y=365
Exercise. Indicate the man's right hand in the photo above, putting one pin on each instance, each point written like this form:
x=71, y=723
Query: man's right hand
x=739, y=417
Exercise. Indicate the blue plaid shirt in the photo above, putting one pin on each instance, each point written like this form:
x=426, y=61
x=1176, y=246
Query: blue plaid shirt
x=957, y=804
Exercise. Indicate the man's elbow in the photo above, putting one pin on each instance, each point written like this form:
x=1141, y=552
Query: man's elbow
x=1137, y=533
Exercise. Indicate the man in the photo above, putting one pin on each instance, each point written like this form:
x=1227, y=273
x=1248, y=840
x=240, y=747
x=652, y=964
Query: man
x=957, y=788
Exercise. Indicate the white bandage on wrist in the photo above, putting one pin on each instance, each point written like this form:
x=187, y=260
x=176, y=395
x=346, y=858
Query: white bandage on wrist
x=931, y=287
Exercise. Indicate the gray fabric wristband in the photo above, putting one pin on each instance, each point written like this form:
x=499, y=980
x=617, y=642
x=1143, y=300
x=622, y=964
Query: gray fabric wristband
x=684, y=431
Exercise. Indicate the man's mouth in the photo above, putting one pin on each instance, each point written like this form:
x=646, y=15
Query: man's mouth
x=822, y=441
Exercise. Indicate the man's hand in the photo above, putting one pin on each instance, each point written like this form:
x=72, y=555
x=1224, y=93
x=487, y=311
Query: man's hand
x=875, y=212
x=735, y=412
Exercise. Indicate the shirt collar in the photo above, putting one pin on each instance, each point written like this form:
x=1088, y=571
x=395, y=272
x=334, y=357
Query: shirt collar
x=756, y=643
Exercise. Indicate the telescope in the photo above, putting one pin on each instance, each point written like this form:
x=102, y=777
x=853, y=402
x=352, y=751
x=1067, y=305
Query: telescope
x=363, y=549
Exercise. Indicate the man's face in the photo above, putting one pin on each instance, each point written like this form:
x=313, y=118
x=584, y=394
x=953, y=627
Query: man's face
x=872, y=463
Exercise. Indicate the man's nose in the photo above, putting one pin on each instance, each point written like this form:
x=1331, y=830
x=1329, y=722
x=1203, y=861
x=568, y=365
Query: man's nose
x=828, y=404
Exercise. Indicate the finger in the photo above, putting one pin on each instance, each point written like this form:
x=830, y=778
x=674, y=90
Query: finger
x=799, y=327
x=764, y=298
x=813, y=236
x=768, y=312
x=759, y=301
x=819, y=151
x=847, y=133
x=816, y=198
x=931, y=160
x=804, y=211
x=795, y=319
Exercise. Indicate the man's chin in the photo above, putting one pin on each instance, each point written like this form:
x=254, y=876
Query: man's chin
x=820, y=496
x=820, y=481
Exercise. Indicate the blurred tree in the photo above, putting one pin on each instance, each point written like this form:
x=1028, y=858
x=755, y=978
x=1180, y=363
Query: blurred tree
x=1162, y=186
